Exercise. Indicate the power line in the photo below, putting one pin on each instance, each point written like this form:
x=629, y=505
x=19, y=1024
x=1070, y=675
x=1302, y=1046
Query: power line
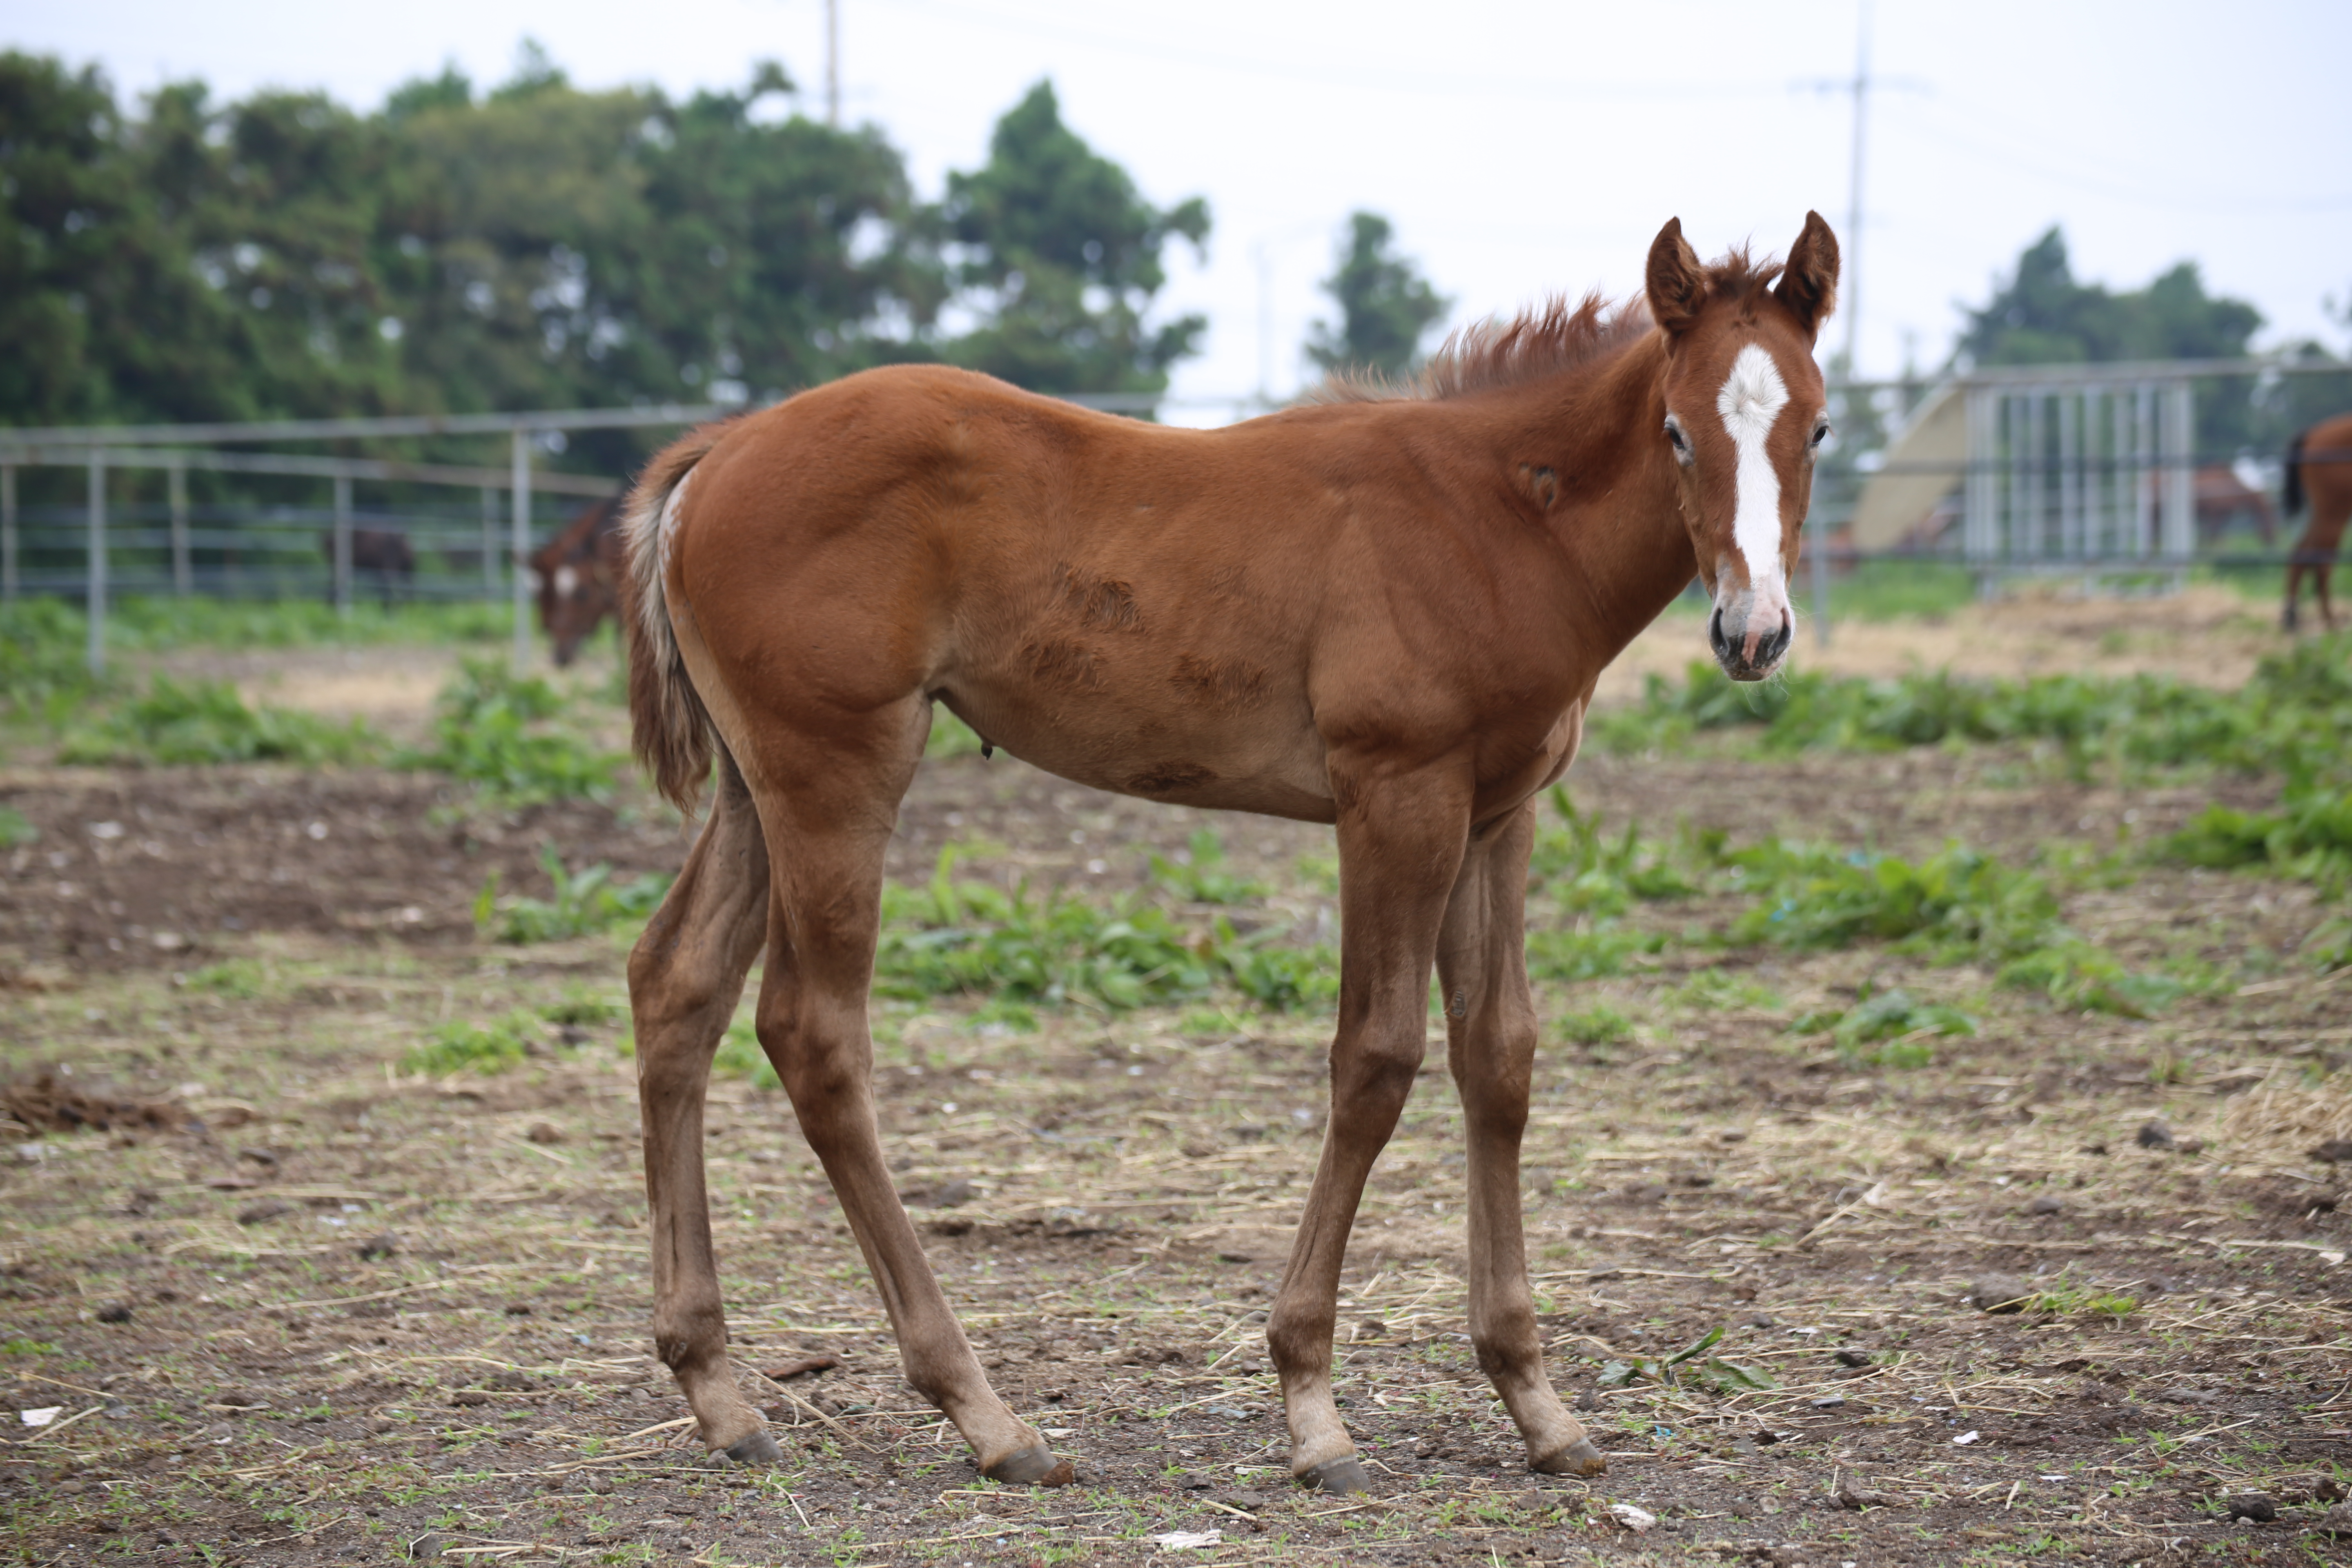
x=1359, y=76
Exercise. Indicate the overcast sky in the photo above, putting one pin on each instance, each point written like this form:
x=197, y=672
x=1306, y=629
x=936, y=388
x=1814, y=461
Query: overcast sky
x=1520, y=148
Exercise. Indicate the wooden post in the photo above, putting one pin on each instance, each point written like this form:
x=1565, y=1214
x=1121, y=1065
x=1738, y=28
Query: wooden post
x=94, y=602
x=184, y=571
x=343, y=588
x=8, y=532
x=522, y=584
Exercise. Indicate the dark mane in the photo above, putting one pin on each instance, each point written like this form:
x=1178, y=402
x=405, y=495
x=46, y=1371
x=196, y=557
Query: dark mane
x=1543, y=342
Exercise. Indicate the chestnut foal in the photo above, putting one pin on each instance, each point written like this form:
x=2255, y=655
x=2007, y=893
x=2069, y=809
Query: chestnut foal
x=1386, y=610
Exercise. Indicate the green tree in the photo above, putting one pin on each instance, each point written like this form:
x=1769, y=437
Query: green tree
x=2041, y=315
x=102, y=312
x=538, y=245
x=1063, y=257
x=1386, y=306
x=785, y=254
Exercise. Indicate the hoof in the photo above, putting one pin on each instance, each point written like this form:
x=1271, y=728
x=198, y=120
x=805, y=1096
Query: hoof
x=759, y=1448
x=1336, y=1476
x=1579, y=1458
x=1035, y=1467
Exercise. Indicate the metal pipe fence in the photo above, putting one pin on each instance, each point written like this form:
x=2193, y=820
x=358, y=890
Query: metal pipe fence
x=2111, y=469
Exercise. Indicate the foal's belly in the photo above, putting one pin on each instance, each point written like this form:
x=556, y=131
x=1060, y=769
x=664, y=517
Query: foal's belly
x=1261, y=764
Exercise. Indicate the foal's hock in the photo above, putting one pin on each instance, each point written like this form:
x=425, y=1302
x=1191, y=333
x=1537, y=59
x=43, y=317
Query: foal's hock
x=1383, y=609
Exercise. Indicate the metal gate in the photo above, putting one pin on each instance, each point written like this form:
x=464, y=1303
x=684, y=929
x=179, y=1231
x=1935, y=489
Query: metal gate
x=2081, y=471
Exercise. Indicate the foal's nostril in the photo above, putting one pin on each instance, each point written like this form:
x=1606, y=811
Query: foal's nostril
x=1715, y=637
x=1773, y=647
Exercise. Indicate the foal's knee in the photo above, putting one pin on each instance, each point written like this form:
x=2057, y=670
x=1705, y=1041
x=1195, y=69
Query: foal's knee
x=1378, y=1072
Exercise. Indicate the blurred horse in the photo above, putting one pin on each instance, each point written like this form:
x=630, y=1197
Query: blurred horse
x=579, y=574
x=383, y=553
x=2222, y=499
x=2319, y=467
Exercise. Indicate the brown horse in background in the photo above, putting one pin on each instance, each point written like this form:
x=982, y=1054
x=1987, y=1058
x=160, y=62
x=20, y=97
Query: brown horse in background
x=1385, y=611
x=579, y=576
x=2319, y=465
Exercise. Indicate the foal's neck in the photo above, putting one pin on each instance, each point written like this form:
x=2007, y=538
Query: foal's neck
x=1622, y=527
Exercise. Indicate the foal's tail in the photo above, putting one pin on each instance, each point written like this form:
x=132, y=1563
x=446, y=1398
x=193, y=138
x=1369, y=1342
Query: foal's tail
x=670, y=728
x=2291, y=494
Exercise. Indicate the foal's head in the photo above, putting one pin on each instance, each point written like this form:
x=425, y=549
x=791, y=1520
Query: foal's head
x=1746, y=411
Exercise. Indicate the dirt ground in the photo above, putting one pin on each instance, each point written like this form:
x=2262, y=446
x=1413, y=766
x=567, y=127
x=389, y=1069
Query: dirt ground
x=293, y=1305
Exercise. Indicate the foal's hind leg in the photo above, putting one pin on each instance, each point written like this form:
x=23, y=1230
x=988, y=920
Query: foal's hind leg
x=1490, y=1025
x=685, y=978
x=828, y=807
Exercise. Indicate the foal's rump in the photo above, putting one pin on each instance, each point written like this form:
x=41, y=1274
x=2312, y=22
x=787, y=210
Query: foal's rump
x=1122, y=604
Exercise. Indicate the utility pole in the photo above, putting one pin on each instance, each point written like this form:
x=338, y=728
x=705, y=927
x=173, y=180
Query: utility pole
x=833, y=63
x=1859, y=87
x=1852, y=301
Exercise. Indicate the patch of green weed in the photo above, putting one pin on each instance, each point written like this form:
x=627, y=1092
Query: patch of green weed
x=583, y=1009
x=495, y=730
x=1887, y=1028
x=240, y=978
x=1955, y=906
x=1591, y=951
x=44, y=675
x=205, y=721
x=1599, y=1025
x=478, y=1047
x=1287, y=979
x=1197, y=874
x=2288, y=718
x=958, y=935
x=585, y=902
x=1595, y=873
x=1711, y=1372
x=2309, y=838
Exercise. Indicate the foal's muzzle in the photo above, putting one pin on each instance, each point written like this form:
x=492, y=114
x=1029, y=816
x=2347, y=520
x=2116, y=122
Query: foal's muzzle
x=1745, y=651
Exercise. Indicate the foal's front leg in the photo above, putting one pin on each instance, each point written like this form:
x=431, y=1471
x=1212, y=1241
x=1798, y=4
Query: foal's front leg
x=1490, y=1025
x=1400, y=848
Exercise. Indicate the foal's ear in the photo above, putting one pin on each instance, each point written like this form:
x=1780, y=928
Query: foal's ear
x=1676, y=286
x=1808, y=284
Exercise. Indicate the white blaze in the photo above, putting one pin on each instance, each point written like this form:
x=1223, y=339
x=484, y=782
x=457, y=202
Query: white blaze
x=1752, y=397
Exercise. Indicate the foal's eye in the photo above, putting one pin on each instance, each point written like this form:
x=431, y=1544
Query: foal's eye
x=1681, y=442
x=1821, y=432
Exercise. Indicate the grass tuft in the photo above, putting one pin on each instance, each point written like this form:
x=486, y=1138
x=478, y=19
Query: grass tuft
x=585, y=902
x=205, y=721
x=495, y=730
x=477, y=1048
